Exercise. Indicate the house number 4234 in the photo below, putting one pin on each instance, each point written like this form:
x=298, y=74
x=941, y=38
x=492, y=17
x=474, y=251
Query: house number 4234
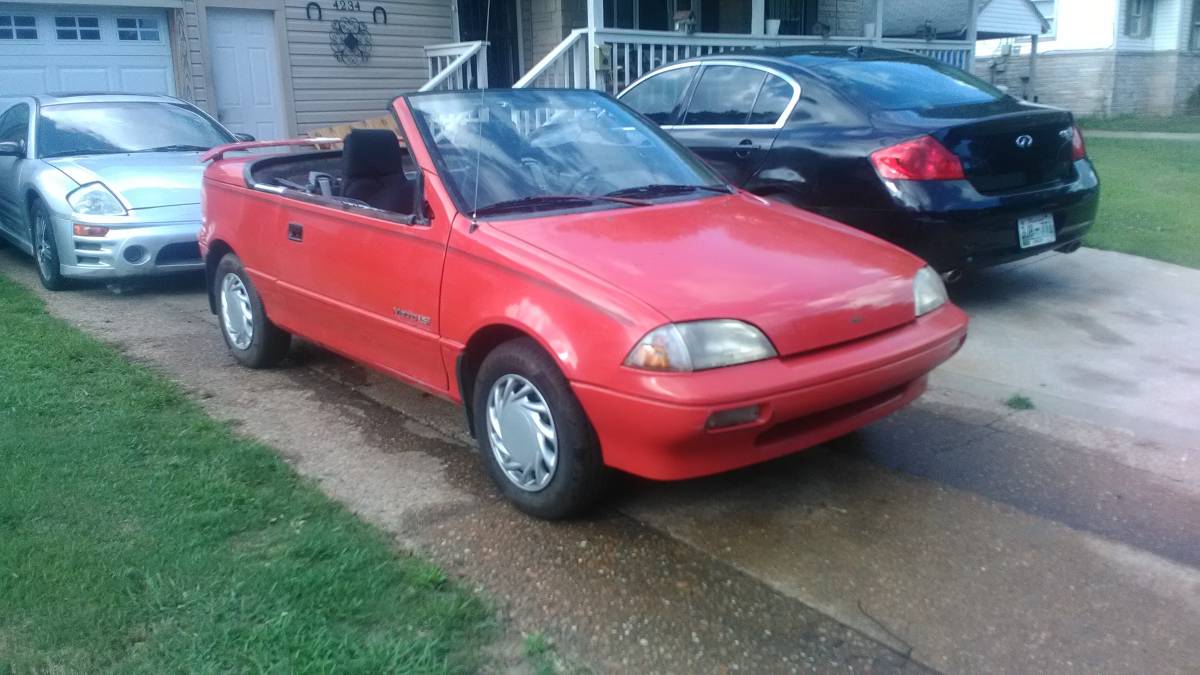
x=347, y=5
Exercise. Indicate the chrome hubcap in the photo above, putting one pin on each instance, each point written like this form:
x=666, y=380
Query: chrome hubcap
x=236, y=316
x=522, y=434
x=45, y=252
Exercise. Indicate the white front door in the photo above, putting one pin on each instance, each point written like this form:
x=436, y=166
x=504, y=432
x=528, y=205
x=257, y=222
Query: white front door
x=248, y=86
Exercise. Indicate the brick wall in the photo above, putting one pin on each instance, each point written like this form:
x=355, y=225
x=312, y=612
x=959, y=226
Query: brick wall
x=844, y=17
x=1081, y=82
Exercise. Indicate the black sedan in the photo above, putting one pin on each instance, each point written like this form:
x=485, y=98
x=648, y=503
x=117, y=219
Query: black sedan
x=913, y=151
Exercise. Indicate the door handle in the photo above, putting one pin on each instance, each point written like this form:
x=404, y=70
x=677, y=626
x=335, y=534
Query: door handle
x=745, y=147
x=295, y=232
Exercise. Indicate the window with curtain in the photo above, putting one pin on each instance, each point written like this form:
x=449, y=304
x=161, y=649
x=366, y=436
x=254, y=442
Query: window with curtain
x=1139, y=18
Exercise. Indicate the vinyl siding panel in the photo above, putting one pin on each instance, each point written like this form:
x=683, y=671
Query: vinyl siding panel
x=1016, y=17
x=326, y=92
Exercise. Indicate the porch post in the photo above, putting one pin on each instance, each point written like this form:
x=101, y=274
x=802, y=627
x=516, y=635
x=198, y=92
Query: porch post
x=878, y=36
x=1033, y=56
x=972, y=34
x=595, y=20
x=758, y=17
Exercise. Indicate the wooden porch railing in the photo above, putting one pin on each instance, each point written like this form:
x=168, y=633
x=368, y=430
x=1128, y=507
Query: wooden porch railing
x=456, y=65
x=619, y=57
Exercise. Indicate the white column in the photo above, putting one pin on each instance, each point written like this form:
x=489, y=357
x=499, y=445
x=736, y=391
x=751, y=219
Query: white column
x=595, y=17
x=878, y=37
x=1033, y=56
x=595, y=14
x=972, y=33
x=758, y=17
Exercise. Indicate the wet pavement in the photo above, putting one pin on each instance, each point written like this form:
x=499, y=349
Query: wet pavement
x=957, y=535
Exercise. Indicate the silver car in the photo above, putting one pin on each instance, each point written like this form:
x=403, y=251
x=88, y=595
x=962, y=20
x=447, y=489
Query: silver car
x=104, y=186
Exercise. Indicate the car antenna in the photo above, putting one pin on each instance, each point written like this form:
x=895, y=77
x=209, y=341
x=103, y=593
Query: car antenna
x=487, y=27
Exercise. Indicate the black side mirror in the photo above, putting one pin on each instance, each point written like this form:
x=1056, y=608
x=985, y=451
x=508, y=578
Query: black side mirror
x=418, y=216
x=244, y=138
x=12, y=149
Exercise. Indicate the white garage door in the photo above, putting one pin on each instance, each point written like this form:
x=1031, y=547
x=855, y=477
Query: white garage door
x=84, y=48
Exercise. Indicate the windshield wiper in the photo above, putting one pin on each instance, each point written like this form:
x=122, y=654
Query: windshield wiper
x=655, y=189
x=553, y=200
x=81, y=153
x=177, y=148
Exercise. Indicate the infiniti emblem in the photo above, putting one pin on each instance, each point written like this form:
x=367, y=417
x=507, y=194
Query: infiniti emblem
x=1024, y=141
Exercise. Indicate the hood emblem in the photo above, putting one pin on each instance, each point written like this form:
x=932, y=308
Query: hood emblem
x=1024, y=141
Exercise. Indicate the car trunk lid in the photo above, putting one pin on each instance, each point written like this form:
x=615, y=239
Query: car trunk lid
x=1003, y=147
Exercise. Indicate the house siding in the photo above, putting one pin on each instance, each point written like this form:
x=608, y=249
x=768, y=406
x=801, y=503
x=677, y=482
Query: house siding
x=1001, y=16
x=323, y=91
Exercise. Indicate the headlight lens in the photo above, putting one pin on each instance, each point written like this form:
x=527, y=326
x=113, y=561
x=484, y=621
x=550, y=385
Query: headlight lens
x=700, y=345
x=94, y=199
x=929, y=292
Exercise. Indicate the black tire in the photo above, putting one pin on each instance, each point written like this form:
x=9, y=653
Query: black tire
x=268, y=343
x=45, y=243
x=580, y=477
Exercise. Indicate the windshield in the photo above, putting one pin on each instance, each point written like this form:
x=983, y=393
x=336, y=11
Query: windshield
x=537, y=150
x=907, y=85
x=111, y=127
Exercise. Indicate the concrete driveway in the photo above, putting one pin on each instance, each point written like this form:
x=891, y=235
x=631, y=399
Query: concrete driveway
x=958, y=535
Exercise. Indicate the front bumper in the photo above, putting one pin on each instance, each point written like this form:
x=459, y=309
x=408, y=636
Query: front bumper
x=144, y=249
x=804, y=400
x=952, y=226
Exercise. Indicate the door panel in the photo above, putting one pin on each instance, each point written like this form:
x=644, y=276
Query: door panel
x=725, y=123
x=245, y=68
x=14, y=127
x=364, y=286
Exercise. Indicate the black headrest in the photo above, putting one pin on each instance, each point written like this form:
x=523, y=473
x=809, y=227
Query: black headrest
x=371, y=152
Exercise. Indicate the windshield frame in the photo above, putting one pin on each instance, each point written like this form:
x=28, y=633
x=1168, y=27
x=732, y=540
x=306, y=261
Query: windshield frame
x=464, y=205
x=38, y=119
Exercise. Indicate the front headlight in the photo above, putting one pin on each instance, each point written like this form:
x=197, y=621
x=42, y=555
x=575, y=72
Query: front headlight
x=94, y=199
x=929, y=292
x=700, y=345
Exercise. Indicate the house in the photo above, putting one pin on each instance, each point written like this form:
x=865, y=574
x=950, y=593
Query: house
x=1105, y=57
x=275, y=68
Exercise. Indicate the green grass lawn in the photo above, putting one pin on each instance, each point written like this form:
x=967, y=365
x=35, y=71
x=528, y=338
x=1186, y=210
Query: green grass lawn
x=138, y=535
x=1149, y=198
x=1179, y=124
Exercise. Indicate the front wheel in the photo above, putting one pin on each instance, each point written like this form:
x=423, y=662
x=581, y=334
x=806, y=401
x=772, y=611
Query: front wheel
x=45, y=247
x=534, y=439
x=251, y=337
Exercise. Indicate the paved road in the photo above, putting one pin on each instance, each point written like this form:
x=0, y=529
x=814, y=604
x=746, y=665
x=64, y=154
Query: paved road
x=957, y=536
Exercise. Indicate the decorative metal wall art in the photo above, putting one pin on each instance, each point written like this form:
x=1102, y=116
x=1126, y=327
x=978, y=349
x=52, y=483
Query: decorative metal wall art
x=350, y=41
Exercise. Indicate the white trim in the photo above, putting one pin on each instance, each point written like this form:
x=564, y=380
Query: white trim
x=779, y=123
x=109, y=4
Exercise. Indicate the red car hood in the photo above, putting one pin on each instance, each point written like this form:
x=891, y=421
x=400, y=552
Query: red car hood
x=804, y=280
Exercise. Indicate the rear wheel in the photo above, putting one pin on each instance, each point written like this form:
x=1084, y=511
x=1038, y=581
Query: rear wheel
x=534, y=439
x=251, y=337
x=45, y=247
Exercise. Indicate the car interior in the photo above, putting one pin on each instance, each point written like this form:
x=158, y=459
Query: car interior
x=373, y=169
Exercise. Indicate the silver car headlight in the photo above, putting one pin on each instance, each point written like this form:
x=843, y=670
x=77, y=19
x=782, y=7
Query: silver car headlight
x=94, y=199
x=929, y=292
x=700, y=345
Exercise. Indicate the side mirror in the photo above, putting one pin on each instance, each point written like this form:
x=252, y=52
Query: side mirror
x=12, y=149
x=419, y=216
x=244, y=138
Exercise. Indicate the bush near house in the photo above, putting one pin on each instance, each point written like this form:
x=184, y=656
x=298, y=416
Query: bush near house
x=138, y=535
x=1149, y=199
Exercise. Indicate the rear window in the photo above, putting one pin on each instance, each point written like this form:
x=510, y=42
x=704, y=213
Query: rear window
x=907, y=85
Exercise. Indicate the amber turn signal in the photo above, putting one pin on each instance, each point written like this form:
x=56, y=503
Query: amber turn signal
x=82, y=230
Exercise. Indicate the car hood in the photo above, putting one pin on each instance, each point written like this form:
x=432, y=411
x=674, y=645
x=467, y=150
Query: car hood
x=805, y=281
x=142, y=180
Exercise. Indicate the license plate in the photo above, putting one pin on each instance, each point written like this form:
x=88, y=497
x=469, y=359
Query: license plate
x=1035, y=230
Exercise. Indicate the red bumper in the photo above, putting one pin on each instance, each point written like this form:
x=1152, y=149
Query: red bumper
x=804, y=400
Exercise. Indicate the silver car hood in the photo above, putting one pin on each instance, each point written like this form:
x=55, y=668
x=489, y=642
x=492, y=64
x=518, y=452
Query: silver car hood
x=143, y=180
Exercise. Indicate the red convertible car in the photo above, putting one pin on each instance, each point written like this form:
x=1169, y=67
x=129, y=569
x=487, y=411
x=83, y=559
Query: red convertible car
x=592, y=294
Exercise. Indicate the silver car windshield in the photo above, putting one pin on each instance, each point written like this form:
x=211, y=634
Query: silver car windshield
x=120, y=127
x=523, y=150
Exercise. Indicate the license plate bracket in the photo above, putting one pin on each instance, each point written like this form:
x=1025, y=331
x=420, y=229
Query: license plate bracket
x=1036, y=230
